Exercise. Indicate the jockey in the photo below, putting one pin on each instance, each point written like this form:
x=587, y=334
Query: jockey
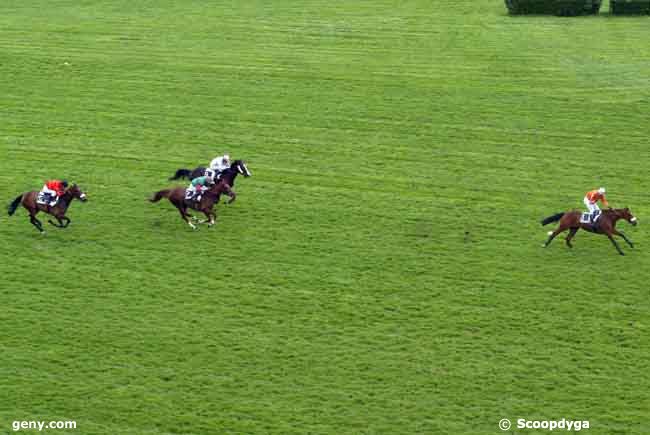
x=198, y=186
x=52, y=190
x=220, y=164
x=591, y=201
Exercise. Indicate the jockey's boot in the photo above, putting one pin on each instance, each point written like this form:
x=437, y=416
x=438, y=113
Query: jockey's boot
x=594, y=216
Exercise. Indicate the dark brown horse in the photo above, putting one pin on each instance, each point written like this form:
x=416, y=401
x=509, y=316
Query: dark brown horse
x=206, y=205
x=606, y=224
x=28, y=200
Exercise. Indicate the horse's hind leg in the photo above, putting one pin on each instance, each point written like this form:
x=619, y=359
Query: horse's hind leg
x=184, y=216
x=554, y=234
x=36, y=223
x=572, y=232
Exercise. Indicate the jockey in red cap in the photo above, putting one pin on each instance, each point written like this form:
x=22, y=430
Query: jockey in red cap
x=52, y=190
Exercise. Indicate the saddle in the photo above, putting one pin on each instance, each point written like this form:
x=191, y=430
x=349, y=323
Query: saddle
x=192, y=198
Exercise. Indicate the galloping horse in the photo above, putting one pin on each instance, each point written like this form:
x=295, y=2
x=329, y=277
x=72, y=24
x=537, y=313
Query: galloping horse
x=206, y=205
x=606, y=224
x=237, y=167
x=28, y=200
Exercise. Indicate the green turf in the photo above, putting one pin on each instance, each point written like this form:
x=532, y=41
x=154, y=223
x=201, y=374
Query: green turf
x=381, y=272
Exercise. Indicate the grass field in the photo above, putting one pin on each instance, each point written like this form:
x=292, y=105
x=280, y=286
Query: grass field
x=380, y=273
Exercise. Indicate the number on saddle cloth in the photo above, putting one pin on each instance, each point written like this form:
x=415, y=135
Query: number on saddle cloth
x=45, y=198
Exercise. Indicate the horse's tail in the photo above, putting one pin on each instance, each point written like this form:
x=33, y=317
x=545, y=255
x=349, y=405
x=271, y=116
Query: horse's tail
x=181, y=173
x=554, y=218
x=160, y=195
x=14, y=205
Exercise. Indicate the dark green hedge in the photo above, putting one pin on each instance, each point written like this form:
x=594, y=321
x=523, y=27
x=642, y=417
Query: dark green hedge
x=554, y=7
x=620, y=7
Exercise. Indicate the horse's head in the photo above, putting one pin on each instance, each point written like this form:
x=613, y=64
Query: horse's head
x=76, y=192
x=626, y=214
x=240, y=166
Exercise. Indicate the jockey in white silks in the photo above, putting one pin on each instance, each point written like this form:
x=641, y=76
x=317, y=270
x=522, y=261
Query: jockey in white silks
x=219, y=164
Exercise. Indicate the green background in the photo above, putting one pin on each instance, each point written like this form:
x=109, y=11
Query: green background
x=381, y=272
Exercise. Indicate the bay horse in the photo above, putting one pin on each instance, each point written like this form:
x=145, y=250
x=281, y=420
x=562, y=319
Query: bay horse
x=606, y=224
x=206, y=205
x=28, y=200
x=236, y=167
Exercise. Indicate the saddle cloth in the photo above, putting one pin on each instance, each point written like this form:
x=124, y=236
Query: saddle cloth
x=43, y=198
x=586, y=218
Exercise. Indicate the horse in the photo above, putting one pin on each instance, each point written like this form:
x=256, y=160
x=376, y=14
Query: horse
x=28, y=200
x=605, y=225
x=209, y=198
x=229, y=174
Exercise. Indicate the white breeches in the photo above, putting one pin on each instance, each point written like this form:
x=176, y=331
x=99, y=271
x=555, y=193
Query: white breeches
x=46, y=190
x=591, y=206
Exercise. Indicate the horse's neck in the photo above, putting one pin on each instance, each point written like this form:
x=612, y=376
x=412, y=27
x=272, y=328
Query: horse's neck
x=64, y=201
x=230, y=176
x=612, y=215
x=222, y=187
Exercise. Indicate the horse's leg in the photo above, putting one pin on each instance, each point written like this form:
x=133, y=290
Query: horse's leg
x=554, y=234
x=618, y=233
x=618, y=248
x=59, y=225
x=572, y=232
x=184, y=215
x=36, y=222
x=187, y=213
x=67, y=221
x=210, y=217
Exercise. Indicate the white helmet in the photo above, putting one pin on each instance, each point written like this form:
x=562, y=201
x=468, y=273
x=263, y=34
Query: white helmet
x=601, y=190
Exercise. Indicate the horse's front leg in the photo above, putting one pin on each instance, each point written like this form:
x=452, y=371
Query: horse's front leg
x=60, y=222
x=618, y=248
x=212, y=217
x=628, y=241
